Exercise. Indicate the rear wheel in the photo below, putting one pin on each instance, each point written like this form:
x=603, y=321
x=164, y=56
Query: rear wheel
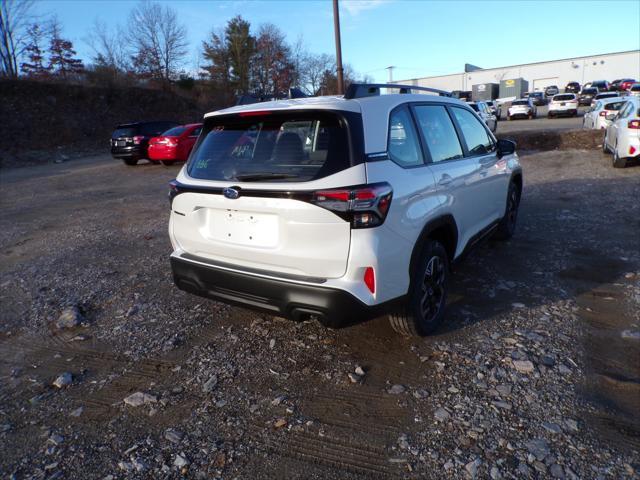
x=605, y=149
x=130, y=161
x=617, y=161
x=424, y=309
x=507, y=226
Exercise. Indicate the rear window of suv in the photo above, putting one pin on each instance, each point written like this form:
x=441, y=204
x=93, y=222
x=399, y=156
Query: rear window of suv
x=520, y=102
x=271, y=146
x=563, y=98
x=122, y=131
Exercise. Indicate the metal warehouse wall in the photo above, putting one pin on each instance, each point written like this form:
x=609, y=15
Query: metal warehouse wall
x=539, y=75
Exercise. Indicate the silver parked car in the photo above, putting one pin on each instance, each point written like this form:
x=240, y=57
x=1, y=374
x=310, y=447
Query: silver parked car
x=485, y=114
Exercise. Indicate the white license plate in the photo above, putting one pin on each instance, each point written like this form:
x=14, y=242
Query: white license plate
x=562, y=104
x=243, y=228
x=120, y=143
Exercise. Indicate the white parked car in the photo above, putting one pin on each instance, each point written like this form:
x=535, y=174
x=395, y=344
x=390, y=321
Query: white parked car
x=494, y=107
x=485, y=113
x=563, y=104
x=622, y=136
x=635, y=90
x=596, y=118
x=522, y=108
x=603, y=96
x=340, y=207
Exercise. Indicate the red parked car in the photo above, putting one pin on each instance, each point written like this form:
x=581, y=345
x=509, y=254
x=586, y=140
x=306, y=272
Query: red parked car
x=626, y=84
x=175, y=144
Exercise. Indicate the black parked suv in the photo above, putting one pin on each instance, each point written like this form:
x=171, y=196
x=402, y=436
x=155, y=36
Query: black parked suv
x=572, y=87
x=586, y=96
x=129, y=141
x=551, y=90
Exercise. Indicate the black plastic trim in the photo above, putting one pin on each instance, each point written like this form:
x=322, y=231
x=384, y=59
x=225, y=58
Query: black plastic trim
x=332, y=306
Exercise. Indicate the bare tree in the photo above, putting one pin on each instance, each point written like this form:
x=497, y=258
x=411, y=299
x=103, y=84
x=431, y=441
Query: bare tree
x=15, y=17
x=109, y=47
x=158, y=41
x=316, y=69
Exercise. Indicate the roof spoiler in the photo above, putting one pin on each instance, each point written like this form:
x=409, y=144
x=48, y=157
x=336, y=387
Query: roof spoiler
x=250, y=98
x=361, y=90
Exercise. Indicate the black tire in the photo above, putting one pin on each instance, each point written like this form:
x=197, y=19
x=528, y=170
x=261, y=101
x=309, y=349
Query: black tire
x=424, y=309
x=167, y=163
x=617, y=161
x=130, y=161
x=507, y=226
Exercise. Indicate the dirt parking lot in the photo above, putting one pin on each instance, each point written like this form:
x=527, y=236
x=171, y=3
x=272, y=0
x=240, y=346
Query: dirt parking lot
x=536, y=373
x=541, y=123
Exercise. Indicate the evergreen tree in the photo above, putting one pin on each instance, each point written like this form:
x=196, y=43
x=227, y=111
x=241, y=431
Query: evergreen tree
x=34, y=66
x=62, y=61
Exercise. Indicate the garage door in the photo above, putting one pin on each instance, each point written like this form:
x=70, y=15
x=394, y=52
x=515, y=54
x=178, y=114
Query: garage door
x=539, y=84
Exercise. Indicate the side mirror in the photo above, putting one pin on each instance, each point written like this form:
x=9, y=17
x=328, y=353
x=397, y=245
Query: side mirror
x=611, y=117
x=505, y=147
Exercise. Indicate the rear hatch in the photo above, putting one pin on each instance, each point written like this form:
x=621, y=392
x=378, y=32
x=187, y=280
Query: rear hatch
x=123, y=135
x=265, y=191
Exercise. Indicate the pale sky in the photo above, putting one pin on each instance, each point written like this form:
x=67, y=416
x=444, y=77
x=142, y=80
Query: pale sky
x=418, y=37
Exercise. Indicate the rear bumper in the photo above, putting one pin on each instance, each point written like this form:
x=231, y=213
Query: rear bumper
x=162, y=153
x=128, y=152
x=279, y=297
x=559, y=113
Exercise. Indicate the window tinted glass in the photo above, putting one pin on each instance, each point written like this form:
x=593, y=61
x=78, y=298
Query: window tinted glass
x=520, y=102
x=563, y=98
x=275, y=147
x=438, y=132
x=614, y=105
x=196, y=132
x=476, y=136
x=404, y=148
x=590, y=90
x=124, y=132
x=174, y=132
x=474, y=106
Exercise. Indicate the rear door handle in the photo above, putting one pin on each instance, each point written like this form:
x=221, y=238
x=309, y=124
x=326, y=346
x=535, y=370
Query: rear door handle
x=445, y=179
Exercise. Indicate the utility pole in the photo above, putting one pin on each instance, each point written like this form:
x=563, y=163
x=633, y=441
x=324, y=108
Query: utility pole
x=390, y=68
x=336, y=27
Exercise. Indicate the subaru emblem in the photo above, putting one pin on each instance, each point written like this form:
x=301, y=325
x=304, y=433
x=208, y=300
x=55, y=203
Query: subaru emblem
x=231, y=192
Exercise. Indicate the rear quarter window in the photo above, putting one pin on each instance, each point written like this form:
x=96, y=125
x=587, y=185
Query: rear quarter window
x=291, y=146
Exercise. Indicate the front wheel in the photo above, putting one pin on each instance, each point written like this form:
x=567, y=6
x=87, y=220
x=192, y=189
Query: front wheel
x=507, y=226
x=130, y=161
x=424, y=309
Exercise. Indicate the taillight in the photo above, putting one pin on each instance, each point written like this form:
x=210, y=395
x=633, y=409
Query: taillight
x=634, y=124
x=603, y=113
x=370, y=279
x=632, y=150
x=173, y=191
x=171, y=142
x=363, y=207
x=137, y=140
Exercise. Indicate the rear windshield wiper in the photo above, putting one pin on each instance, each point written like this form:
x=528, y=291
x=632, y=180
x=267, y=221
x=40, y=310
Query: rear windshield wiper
x=254, y=177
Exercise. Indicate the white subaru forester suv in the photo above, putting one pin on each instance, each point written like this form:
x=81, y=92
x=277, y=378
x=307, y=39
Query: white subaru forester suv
x=340, y=207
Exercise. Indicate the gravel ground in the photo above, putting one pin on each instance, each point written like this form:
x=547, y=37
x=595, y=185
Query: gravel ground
x=541, y=123
x=108, y=371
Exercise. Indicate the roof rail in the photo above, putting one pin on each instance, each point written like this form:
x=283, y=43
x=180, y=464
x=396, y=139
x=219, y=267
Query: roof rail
x=360, y=90
x=250, y=98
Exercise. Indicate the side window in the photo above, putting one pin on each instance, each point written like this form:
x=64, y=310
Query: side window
x=439, y=133
x=404, y=148
x=196, y=132
x=478, y=140
x=626, y=110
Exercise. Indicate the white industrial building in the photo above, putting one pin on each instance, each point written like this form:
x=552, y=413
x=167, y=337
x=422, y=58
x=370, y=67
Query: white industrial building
x=608, y=66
